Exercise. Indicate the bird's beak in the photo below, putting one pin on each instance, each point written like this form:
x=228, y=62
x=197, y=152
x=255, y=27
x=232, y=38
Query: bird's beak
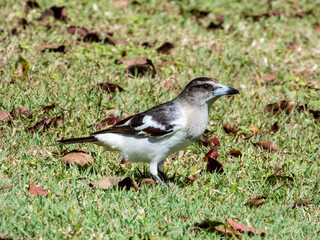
x=225, y=90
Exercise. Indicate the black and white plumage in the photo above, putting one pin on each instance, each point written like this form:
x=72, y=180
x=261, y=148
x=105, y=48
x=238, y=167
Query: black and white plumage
x=153, y=135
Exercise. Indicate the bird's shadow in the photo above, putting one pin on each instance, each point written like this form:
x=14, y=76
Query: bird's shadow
x=138, y=173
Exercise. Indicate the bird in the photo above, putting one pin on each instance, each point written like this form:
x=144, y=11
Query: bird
x=151, y=136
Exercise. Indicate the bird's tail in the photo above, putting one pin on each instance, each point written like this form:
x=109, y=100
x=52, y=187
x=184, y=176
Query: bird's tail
x=77, y=140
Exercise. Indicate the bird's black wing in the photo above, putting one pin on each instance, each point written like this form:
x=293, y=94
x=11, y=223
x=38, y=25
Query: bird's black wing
x=156, y=122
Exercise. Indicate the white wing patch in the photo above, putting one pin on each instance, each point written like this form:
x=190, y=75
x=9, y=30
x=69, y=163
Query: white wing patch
x=149, y=122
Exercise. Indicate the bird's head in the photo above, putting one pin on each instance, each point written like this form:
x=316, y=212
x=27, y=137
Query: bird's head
x=205, y=90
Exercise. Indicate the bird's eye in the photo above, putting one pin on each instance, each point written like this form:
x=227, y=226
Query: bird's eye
x=206, y=86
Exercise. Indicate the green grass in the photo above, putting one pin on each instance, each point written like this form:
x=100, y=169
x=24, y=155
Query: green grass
x=237, y=56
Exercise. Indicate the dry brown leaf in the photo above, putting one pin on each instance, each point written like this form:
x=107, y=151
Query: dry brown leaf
x=235, y=152
x=229, y=128
x=121, y=4
x=21, y=110
x=254, y=130
x=34, y=190
x=269, y=77
x=228, y=232
x=51, y=48
x=45, y=124
x=275, y=127
x=294, y=46
x=254, y=202
x=139, y=66
x=5, y=116
x=32, y=4
x=106, y=122
x=217, y=24
x=145, y=181
x=301, y=202
x=213, y=153
x=199, y=13
x=58, y=13
x=213, y=165
x=77, y=158
x=280, y=105
x=80, y=31
x=48, y=107
x=243, y=228
x=193, y=177
x=5, y=187
x=268, y=14
x=113, y=182
x=109, y=87
x=165, y=48
x=266, y=145
x=316, y=27
x=165, y=63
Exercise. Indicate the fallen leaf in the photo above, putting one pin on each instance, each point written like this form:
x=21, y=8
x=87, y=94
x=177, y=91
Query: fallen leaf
x=274, y=178
x=254, y=130
x=316, y=27
x=199, y=13
x=165, y=63
x=193, y=177
x=109, y=87
x=269, y=77
x=22, y=22
x=21, y=67
x=107, y=122
x=316, y=114
x=51, y=48
x=32, y=4
x=228, y=232
x=254, y=202
x=77, y=158
x=34, y=190
x=208, y=225
x=139, y=66
x=145, y=181
x=229, y=128
x=275, y=127
x=301, y=202
x=45, y=124
x=266, y=145
x=5, y=187
x=121, y=4
x=280, y=105
x=21, y=110
x=213, y=165
x=218, y=24
x=165, y=48
x=80, y=31
x=5, y=116
x=243, y=228
x=294, y=46
x=215, y=141
x=185, y=217
x=268, y=14
x=213, y=153
x=113, y=182
x=48, y=107
x=235, y=152
x=58, y=13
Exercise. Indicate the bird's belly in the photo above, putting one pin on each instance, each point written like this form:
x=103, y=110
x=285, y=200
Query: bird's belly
x=141, y=149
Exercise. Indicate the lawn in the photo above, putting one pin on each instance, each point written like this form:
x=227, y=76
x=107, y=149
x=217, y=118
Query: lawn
x=268, y=50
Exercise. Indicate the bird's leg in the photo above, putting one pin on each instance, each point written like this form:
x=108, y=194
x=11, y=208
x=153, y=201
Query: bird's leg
x=161, y=171
x=163, y=174
x=154, y=173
